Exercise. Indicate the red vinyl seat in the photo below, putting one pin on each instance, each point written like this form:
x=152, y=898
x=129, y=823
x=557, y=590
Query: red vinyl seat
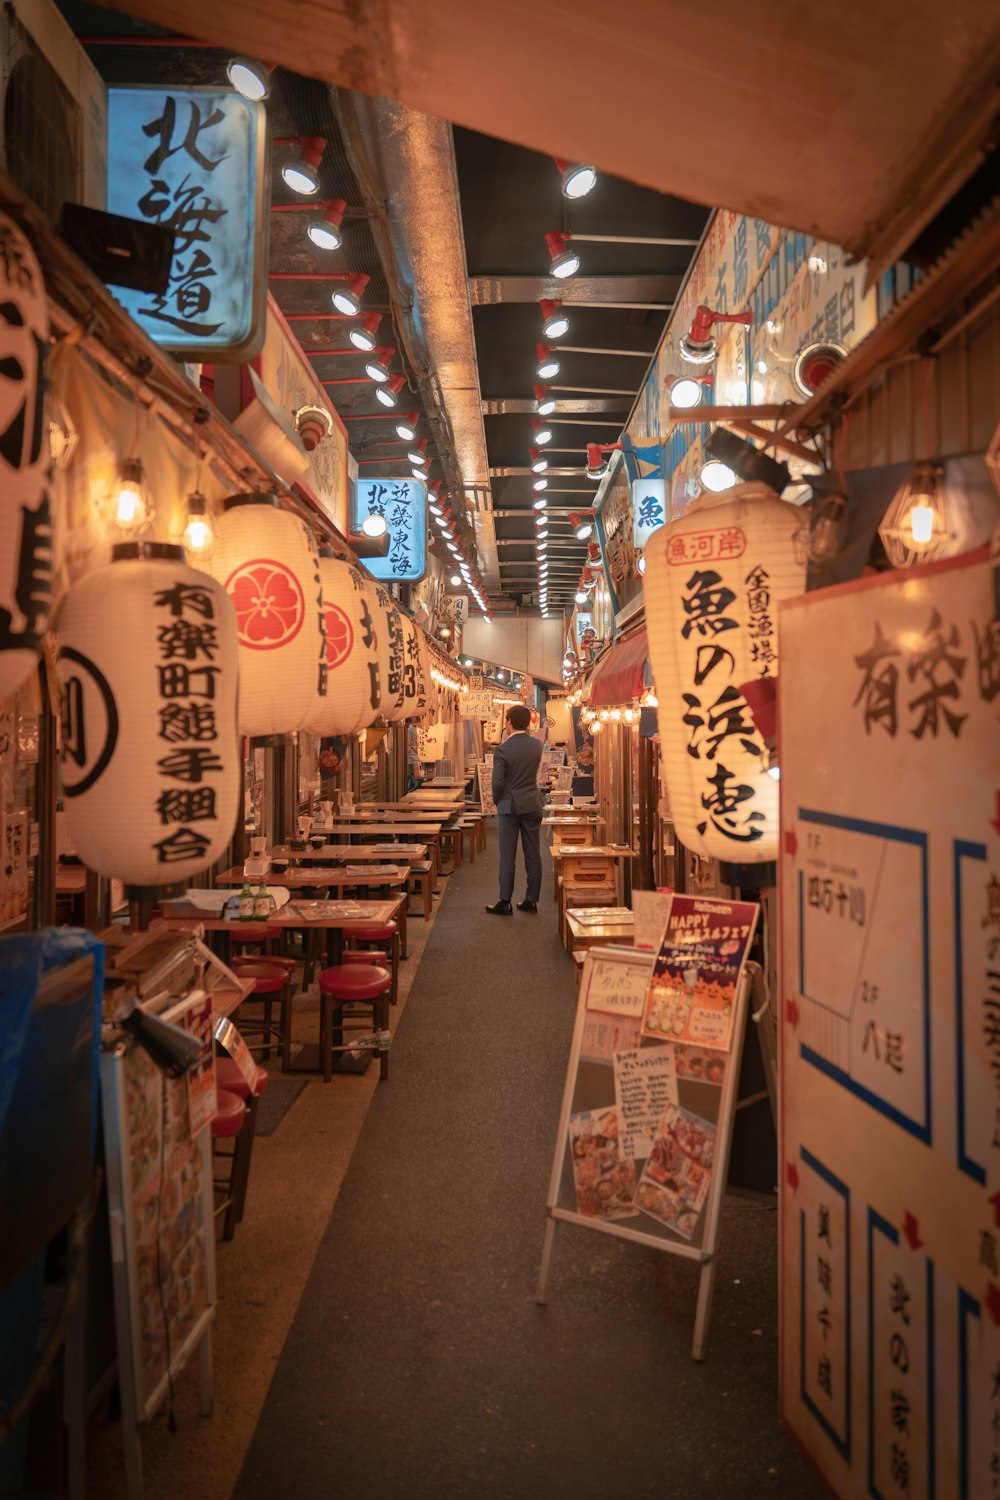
x=342, y=989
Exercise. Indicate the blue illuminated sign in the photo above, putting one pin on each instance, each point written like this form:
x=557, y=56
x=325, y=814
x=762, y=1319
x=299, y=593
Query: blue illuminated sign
x=192, y=159
x=403, y=503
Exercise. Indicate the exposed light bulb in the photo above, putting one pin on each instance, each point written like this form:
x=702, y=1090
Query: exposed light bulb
x=374, y=525
x=717, y=476
x=199, y=532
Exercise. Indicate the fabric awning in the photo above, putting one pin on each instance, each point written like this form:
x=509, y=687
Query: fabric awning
x=617, y=677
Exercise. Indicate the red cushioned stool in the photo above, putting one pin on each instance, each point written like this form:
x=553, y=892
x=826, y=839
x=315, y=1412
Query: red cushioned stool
x=229, y=1079
x=359, y=939
x=253, y=935
x=341, y=989
x=272, y=979
x=234, y=1120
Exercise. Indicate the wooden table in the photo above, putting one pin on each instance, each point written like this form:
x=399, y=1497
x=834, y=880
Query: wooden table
x=388, y=815
x=581, y=829
x=430, y=832
x=351, y=853
x=583, y=935
x=312, y=878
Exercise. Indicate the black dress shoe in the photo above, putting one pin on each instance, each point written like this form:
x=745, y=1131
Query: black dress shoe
x=527, y=906
x=502, y=909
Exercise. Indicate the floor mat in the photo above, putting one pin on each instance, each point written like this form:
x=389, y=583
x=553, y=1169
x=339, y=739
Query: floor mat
x=277, y=1100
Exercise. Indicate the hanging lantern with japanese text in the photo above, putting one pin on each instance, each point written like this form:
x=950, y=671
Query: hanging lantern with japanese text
x=713, y=583
x=266, y=561
x=26, y=563
x=346, y=705
x=148, y=674
x=382, y=640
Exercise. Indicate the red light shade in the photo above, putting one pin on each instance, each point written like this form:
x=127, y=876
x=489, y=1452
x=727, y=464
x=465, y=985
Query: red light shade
x=564, y=262
x=554, y=321
x=547, y=363
x=362, y=336
x=378, y=362
x=347, y=300
x=544, y=400
x=539, y=426
x=325, y=232
x=388, y=392
x=698, y=347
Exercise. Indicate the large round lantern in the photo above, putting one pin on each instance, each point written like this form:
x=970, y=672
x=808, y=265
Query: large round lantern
x=713, y=583
x=351, y=652
x=416, y=676
x=429, y=697
x=148, y=673
x=25, y=526
x=397, y=703
x=266, y=561
x=383, y=644
x=560, y=722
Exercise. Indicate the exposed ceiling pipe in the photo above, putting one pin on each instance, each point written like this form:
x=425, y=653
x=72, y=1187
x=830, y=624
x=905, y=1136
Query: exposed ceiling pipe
x=404, y=165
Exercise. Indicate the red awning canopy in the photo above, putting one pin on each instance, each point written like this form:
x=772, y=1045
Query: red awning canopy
x=617, y=677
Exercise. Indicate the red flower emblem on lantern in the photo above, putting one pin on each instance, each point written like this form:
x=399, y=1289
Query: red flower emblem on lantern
x=339, y=636
x=269, y=604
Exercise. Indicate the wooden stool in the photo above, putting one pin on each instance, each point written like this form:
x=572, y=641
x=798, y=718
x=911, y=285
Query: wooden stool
x=468, y=830
x=360, y=938
x=349, y=985
x=235, y=1120
x=421, y=878
x=272, y=977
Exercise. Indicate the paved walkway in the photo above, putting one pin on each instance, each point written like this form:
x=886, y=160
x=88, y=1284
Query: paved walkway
x=419, y=1365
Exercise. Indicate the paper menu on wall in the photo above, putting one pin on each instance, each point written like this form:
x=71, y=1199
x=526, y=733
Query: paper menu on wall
x=645, y=1083
x=652, y=911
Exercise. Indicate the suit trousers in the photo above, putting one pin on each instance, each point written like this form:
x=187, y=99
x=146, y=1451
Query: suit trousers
x=527, y=827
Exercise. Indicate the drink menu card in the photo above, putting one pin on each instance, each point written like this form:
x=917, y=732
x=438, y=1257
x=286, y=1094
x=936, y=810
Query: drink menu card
x=692, y=989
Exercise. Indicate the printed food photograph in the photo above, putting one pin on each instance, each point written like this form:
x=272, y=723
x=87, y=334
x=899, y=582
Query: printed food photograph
x=605, y=1183
x=677, y=1174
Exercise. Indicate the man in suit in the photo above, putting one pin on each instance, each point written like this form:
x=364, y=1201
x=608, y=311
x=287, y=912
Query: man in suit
x=519, y=808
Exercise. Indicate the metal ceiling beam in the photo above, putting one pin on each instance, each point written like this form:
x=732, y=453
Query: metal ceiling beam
x=506, y=406
x=654, y=292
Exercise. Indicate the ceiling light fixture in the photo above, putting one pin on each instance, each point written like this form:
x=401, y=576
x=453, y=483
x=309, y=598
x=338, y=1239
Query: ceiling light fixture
x=377, y=368
x=347, y=299
x=540, y=503
x=389, y=392
x=542, y=431
x=455, y=579
x=577, y=179
x=717, y=476
x=539, y=463
x=418, y=453
x=302, y=175
x=562, y=262
x=548, y=365
x=917, y=527
x=406, y=428
x=539, y=484
x=582, y=522
x=554, y=321
x=362, y=335
x=325, y=232
x=249, y=78
x=374, y=524
x=597, y=464
x=544, y=402
x=698, y=346
x=746, y=461
x=685, y=391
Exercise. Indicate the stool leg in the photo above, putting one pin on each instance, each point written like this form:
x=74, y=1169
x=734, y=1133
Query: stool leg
x=325, y=1039
x=249, y=1124
x=266, y=1050
x=394, y=961
x=380, y=1013
x=401, y=921
x=286, y=1028
x=238, y=1177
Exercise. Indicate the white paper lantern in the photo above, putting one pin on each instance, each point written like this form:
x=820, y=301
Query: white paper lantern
x=429, y=691
x=148, y=671
x=346, y=705
x=25, y=524
x=560, y=721
x=417, y=681
x=713, y=583
x=397, y=702
x=266, y=561
x=385, y=650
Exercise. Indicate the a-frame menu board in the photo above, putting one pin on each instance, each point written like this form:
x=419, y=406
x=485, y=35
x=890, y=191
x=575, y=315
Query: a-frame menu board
x=642, y=1147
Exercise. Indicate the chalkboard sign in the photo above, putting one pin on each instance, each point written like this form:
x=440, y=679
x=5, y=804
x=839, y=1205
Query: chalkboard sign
x=643, y=1142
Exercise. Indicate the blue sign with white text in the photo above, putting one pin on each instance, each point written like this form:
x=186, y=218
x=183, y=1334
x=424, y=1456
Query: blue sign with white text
x=403, y=504
x=192, y=160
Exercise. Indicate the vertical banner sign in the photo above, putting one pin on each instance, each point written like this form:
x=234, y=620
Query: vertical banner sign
x=713, y=583
x=649, y=509
x=403, y=505
x=193, y=160
x=890, y=1032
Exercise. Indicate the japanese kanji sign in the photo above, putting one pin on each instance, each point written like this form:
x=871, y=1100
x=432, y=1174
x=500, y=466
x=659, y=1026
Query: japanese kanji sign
x=192, y=160
x=889, y=701
x=403, y=503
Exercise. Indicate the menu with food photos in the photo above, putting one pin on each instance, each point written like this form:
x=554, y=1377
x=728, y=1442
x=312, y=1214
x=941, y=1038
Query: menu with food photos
x=161, y=1208
x=642, y=1147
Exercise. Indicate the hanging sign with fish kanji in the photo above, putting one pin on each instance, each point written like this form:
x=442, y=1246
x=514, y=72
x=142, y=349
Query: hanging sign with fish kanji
x=192, y=160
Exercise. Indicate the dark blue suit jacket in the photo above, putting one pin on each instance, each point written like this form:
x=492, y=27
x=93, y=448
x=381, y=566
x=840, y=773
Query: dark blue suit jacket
x=515, y=774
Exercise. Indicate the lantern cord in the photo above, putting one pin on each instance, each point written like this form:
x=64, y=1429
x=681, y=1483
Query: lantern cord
x=138, y=405
x=928, y=371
